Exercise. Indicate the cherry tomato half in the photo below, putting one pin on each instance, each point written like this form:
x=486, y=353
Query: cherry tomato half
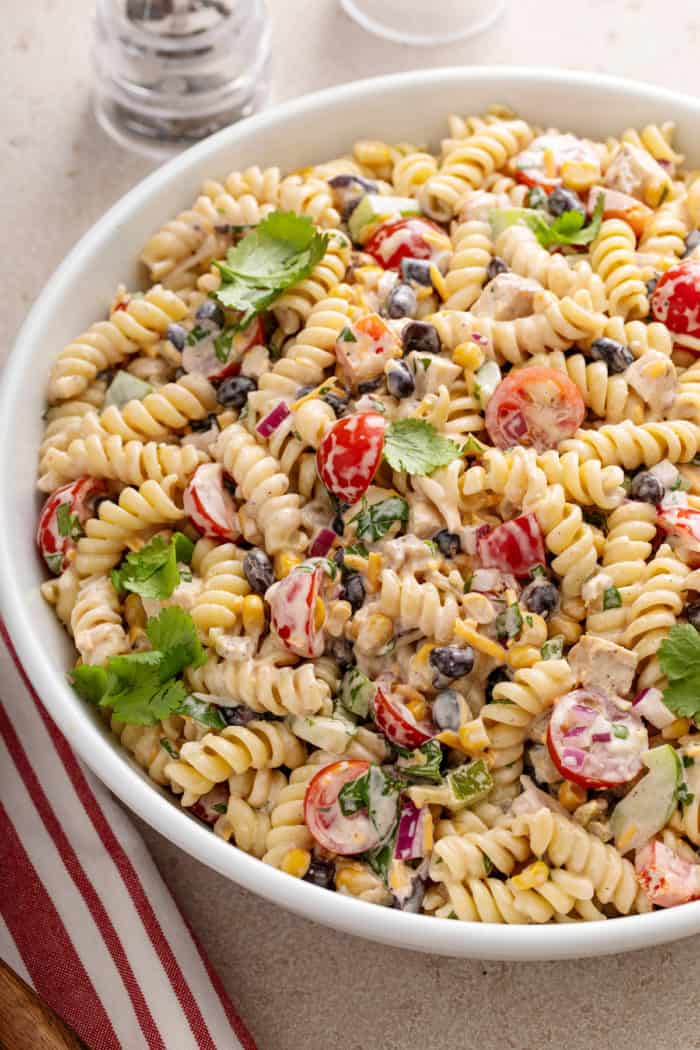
x=618, y=205
x=62, y=517
x=595, y=743
x=292, y=604
x=403, y=239
x=540, y=163
x=514, y=547
x=397, y=723
x=666, y=878
x=364, y=347
x=209, y=505
x=349, y=455
x=683, y=523
x=536, y=407
x=676, y=301
x=324, y=817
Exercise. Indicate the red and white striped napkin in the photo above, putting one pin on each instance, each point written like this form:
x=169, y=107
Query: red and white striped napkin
x=85, y=918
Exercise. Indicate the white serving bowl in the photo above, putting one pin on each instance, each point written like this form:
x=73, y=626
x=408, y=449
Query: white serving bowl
x=410, y=106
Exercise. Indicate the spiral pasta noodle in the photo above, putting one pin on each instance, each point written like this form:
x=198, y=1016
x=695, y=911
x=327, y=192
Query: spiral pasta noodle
x=96, y=623
x=613, y=259
x=130, y=463
x=262, y=686
x=630, y=446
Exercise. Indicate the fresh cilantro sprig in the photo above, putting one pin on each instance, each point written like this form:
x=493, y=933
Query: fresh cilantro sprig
x=68, y=523
x=143, y=688
x=415, y=447
x=567, y=228
x=679, y=656
x=281, y=251
x=374, y=522
x=153, y=571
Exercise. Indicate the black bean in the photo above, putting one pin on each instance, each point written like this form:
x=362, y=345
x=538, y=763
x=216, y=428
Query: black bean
x=540, y=597
x=211, y=311
x=561, y=200
x=651, y=285
x=177, y=335
x=353, y=590
x=401, y=301
x=692, y=614
x=321, y=873
x=499, y=674
x=348, y=191
x=447, y=710
x=414, y=901
x=422, y=337
x=339, y=556
x=452, y=661
x=340, y=649
x=233, y=392
x=338, y=525
x=338, y=404
x=647, y=488
x=205, y=424
x=258, y=570
x=399, y=380
x=496, y=266
x=106, y=375
x=616, y=356
x=692, y=241
x=536, y=197
x=237, y=716
x=369, y=385
x=448, y=543
x=417, y=270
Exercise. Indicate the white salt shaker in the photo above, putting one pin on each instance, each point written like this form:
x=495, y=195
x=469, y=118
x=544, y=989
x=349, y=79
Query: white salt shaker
x=169, y=72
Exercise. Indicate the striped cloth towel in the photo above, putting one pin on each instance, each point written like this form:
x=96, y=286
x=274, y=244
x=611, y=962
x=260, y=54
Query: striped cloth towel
x=85, y=918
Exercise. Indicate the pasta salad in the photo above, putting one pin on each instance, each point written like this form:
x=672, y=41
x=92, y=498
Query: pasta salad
x=374, y=519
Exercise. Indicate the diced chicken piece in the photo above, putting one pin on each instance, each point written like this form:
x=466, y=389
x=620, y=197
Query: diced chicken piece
x=432, y=372
x=545, y=770
x=411, y=553
x=666, y=878
x=507, y=297
x=603, y=665
x=478, y=204
x=653, y=377
x=423, y=518
x=184, y=595
x=364, y=348
x=532, y=799
x=635, y=172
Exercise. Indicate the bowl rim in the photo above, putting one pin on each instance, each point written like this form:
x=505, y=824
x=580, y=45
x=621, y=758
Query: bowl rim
x=419, y=932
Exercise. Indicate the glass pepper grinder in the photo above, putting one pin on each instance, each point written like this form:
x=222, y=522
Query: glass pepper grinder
x=169, y=72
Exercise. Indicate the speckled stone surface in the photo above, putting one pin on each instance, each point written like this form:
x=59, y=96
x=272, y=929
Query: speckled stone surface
x=296, y=984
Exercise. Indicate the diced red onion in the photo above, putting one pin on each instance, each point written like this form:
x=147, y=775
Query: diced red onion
x=477, y=337
x=322, y=543
x=272, y=420
x=601, y=738
x=575, y=731
x=410, y=839
x=573, y=757
x=650, y=705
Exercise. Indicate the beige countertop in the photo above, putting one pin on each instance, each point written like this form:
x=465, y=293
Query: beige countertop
x=298, y=985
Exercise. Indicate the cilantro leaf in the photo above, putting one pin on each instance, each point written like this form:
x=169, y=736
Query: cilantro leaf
x=375, y=521
x=567, y=228
x=612, y=599
x=152, y=572
x=679, y=654
x=423, y=763
x=414, y=446
x=68, y=524
x=207, y=714
x=553, y=649
x=683, y=696
x=281, y=251
x=174, y=633
x=90, y=682
x=354, y=795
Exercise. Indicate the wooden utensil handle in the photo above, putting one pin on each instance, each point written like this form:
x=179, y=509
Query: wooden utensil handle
x=26, y=1022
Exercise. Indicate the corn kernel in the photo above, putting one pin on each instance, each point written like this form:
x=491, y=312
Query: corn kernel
x=438, y=282
x=468, y=356
x=297, y=863
x=350, y=877
x=580, y=174
x=418, y=709
x=534, y=875
x=253, y=614
x=423, y=292
x=284, y=562
x=571, y=796
x=354, y=561
x=550, y=164
x=423, y=654
x=676, y=729
x=319, y=614
x=473, y=736
x=449, y=738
